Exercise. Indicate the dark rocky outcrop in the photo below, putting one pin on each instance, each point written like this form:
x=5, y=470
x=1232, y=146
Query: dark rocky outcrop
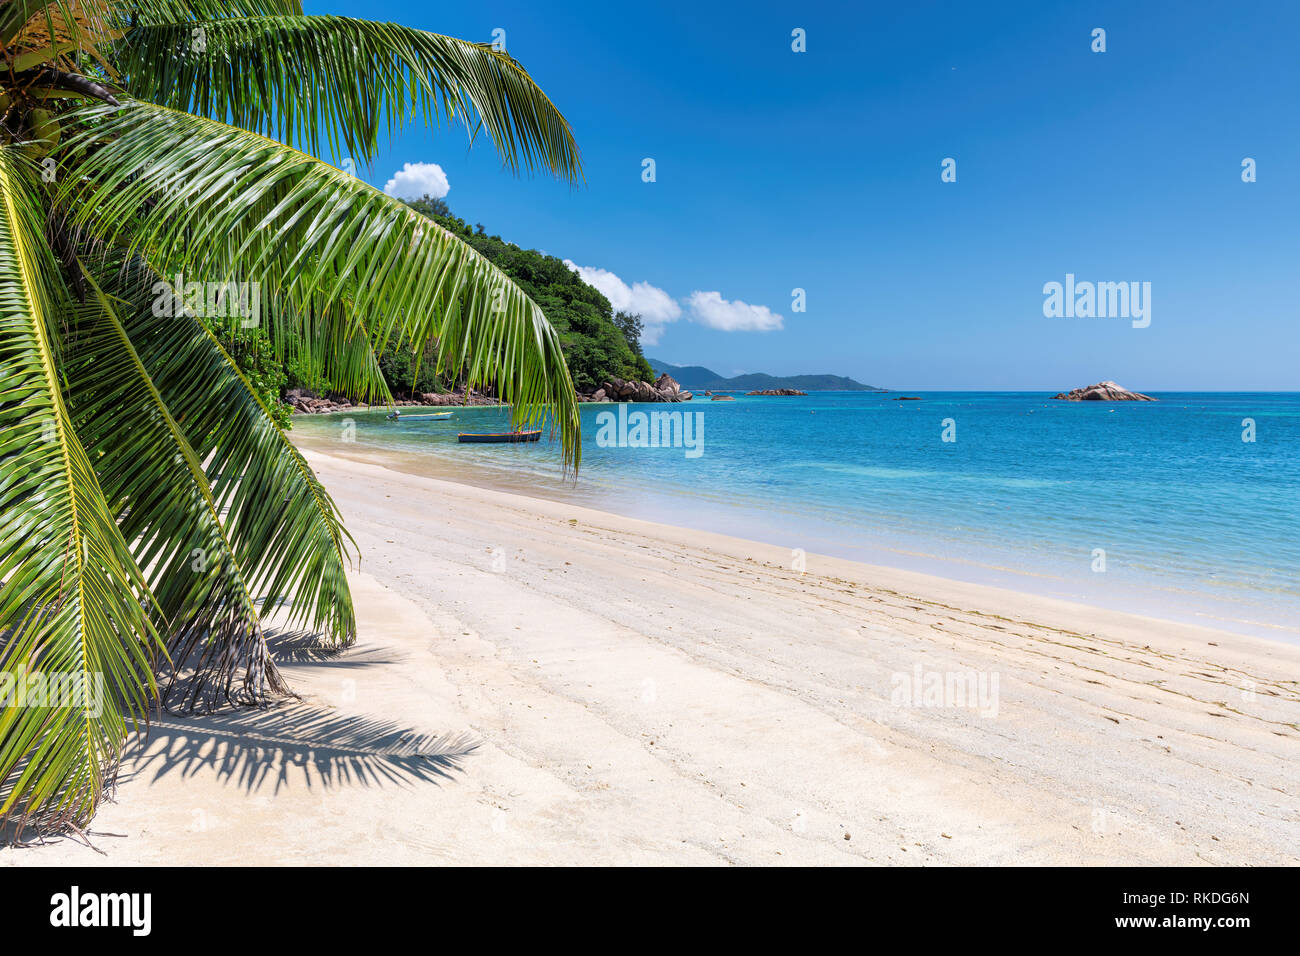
x=1103, y=392
x=306, y=402
x=455, y=398
x=777, y=391
x=662, y=389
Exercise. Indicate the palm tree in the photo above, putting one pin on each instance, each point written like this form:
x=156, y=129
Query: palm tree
x=151, y=512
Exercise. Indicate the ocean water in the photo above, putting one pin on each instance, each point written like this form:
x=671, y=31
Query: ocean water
x=1195, y=523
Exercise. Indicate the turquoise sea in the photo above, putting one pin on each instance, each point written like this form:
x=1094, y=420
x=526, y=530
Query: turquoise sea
x=1195, y=523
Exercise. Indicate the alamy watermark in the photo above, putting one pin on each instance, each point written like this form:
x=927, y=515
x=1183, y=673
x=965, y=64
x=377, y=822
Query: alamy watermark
x=971, y=690
x=1101, y=300
x=675, y=429
x=74, y=909
x=63, y=690
x=209, y=300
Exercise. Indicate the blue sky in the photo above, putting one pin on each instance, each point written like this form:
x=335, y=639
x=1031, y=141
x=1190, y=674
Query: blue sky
x=778, y=170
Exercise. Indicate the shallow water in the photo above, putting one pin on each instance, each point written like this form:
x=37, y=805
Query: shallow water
x=1195, y=523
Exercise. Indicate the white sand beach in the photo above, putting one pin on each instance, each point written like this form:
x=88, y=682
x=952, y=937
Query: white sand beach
x=538, y=683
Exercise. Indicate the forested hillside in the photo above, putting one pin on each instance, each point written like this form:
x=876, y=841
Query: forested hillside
x=599, y=344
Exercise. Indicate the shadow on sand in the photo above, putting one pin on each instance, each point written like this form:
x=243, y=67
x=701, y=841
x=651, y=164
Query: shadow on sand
x=257, y=749
x=290, y=648
x=290, y=743
x=297, y=742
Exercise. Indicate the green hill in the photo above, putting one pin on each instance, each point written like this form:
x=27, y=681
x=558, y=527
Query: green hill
x=599, y=343
x=699, y=378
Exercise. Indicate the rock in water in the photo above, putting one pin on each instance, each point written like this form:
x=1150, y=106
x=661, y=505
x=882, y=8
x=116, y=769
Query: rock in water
x=1103, y=392
x=666, y=383
x=663, y=389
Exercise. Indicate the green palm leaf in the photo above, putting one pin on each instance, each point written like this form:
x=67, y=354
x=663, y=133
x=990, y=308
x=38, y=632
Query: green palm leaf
x=172, y=11
x=70, y=602
x=155, y=481
x=287, y=537
x=284, y=525
x=328, y=346
x=294, y=77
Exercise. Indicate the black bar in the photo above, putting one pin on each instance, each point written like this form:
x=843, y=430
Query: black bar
x=333, y=905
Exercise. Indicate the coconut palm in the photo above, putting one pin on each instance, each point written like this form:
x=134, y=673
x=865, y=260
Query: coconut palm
x=151, y=511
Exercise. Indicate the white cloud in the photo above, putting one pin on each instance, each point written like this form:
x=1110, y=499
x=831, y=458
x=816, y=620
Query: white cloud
x=415, y=180
x=711, y=309
x=655, y=306
x=650, y=302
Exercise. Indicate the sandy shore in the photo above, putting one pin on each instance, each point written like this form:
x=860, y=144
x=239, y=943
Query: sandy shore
x=540, y=683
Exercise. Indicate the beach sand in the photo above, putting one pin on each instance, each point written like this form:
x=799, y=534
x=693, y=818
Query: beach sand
x=535, y=682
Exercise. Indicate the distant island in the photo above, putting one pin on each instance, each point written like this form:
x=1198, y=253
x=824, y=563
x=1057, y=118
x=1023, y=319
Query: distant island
x=699, y=378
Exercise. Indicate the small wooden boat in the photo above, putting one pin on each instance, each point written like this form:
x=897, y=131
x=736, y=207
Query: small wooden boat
x=432, y=417
x=484, y=437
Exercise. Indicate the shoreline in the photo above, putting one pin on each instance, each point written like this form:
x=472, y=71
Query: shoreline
x=895, y=577
x=917, y=555
x=538, y=682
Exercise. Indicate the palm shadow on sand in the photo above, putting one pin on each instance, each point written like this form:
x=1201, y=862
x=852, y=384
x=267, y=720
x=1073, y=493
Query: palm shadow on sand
x=292, y=648
x=314, y=746
x=298, y=743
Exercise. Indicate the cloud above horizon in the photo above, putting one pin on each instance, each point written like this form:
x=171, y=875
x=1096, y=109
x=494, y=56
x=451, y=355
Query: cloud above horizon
x=657, y=308
x=416, y=180
x=711, y=309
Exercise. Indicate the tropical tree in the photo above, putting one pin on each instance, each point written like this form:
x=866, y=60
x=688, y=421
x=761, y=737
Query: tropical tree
x=151, y=511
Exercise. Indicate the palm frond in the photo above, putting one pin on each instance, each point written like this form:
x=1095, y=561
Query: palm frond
x=294, y=78
x=328, y=346
x=156, y=485
x=71, y=598
x=228, y=205
x=175, y=11
x=286, y=533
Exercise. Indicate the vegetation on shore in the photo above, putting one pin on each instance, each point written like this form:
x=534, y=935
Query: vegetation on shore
x=598, y=343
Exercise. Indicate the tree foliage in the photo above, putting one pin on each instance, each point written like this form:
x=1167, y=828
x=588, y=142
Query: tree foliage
x=598, y=345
